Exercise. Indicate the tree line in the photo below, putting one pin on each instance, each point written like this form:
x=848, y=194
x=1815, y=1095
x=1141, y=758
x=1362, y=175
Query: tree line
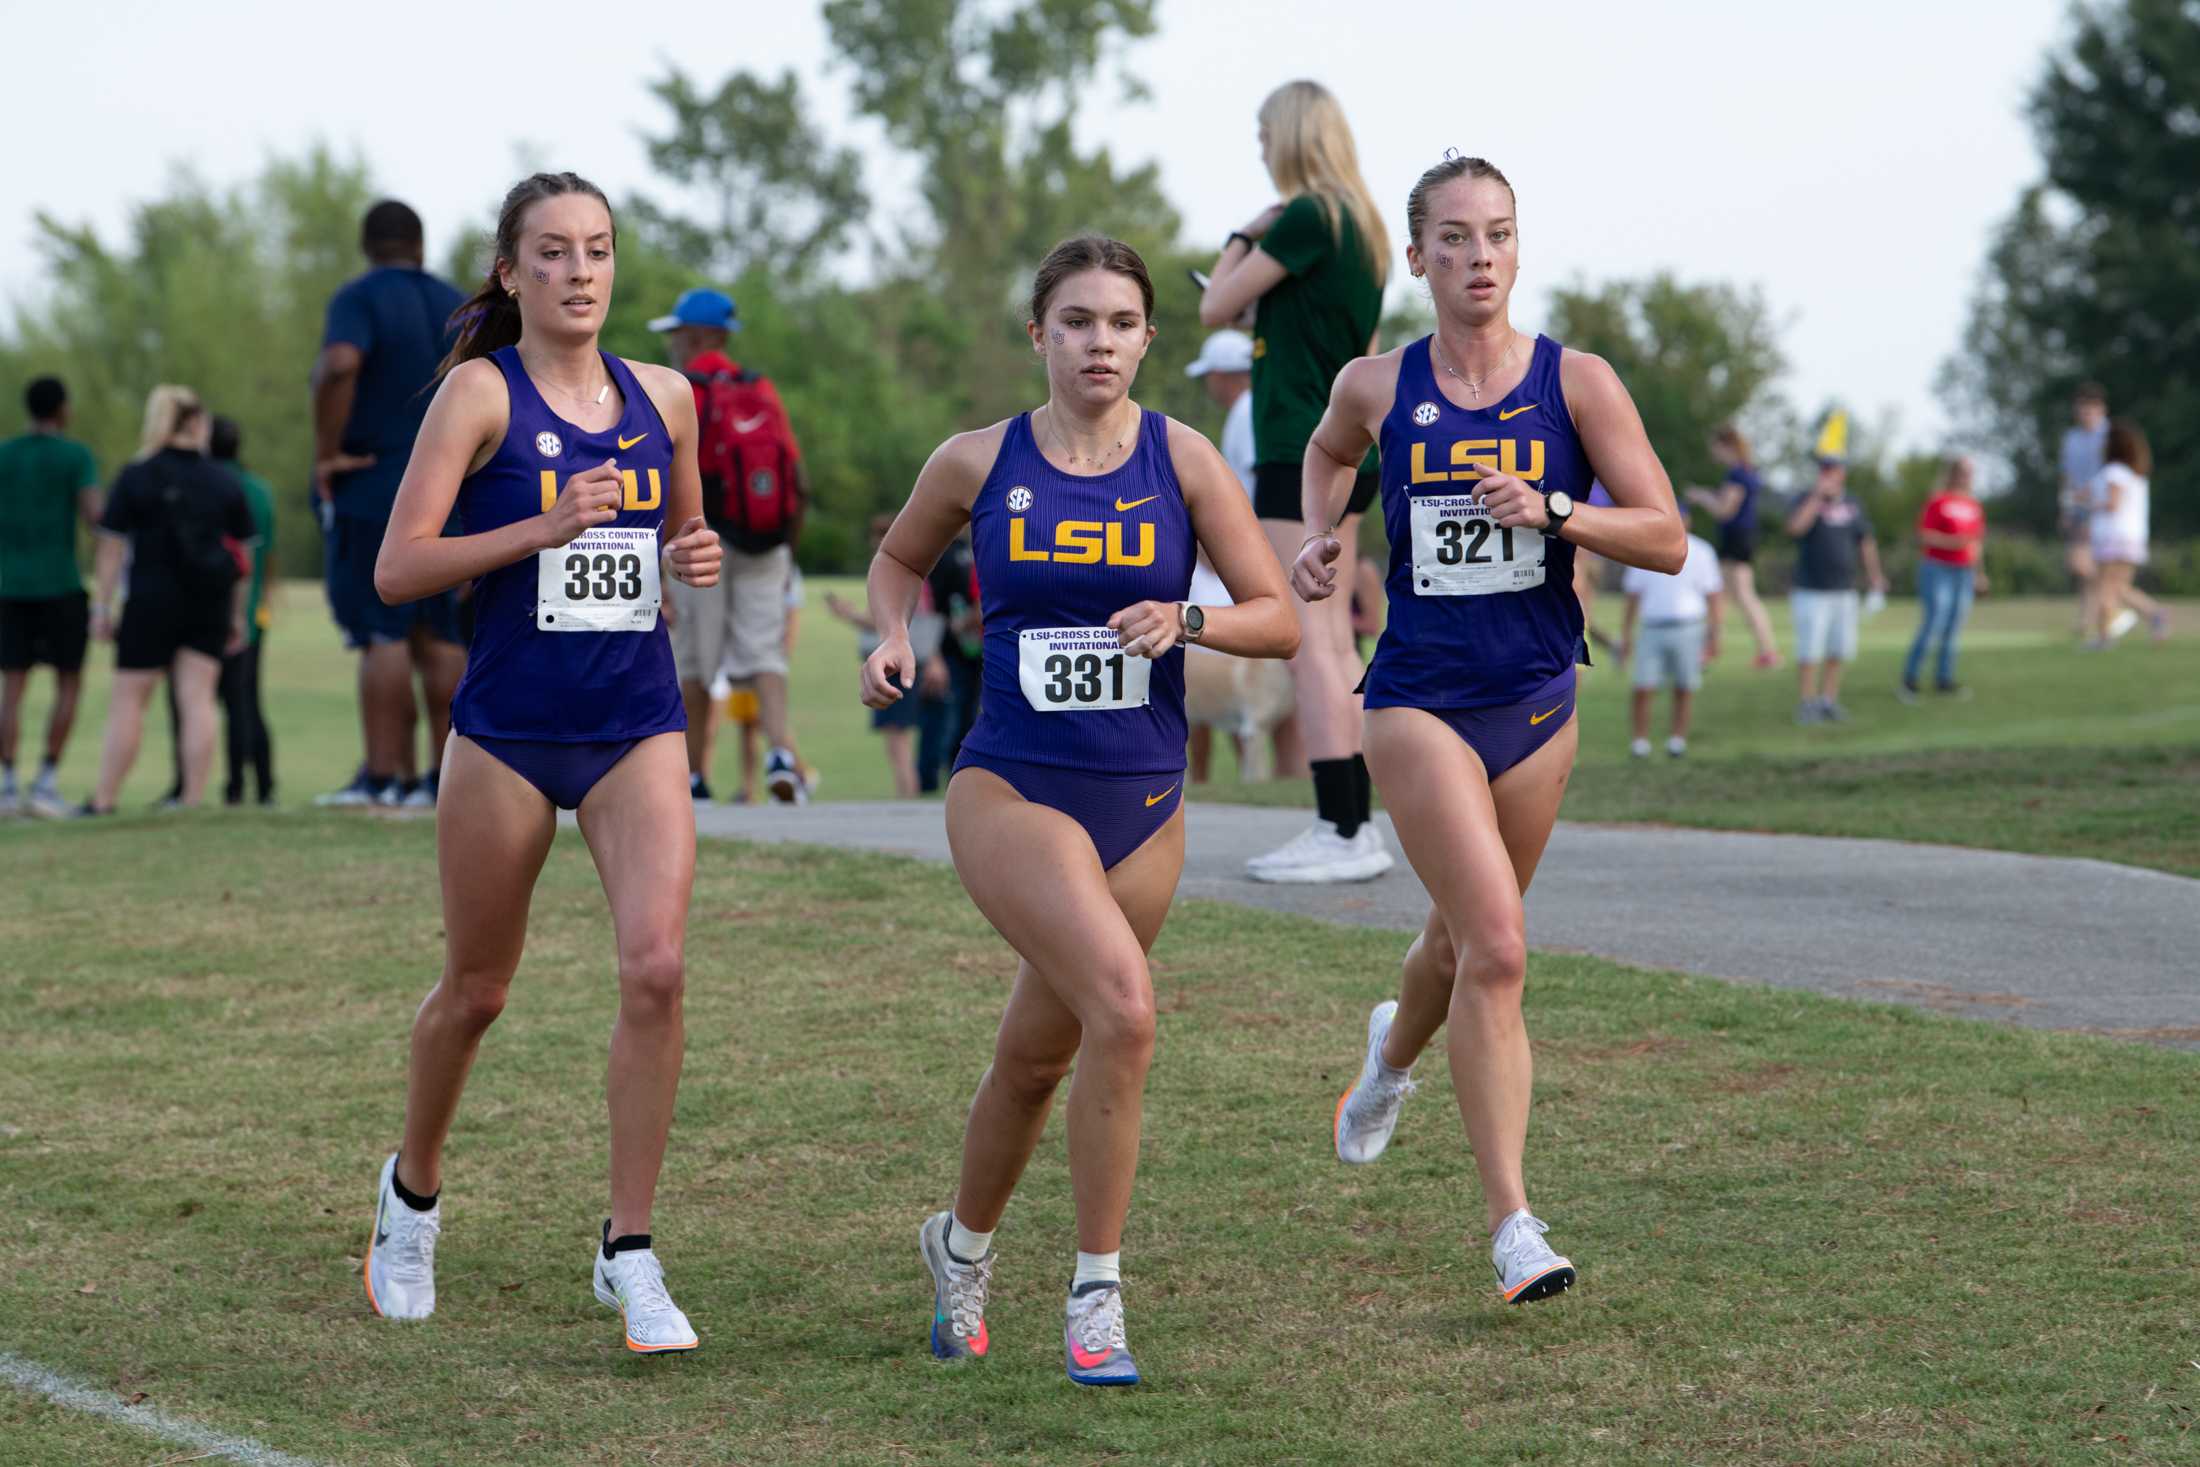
x=2095, y=274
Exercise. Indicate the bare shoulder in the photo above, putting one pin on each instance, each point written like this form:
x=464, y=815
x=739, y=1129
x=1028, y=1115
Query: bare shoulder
x=1369, y=380
x=959, y=466
x=973, y=452
x=668, y=389
x=1587, y=373
x=476, y=391
x=1184, y=438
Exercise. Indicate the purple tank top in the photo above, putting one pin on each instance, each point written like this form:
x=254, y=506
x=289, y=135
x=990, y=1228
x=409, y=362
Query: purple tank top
x=524, y=682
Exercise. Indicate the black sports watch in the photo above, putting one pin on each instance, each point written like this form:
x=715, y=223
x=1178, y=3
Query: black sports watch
x=1559, y=506
x=1195, y=622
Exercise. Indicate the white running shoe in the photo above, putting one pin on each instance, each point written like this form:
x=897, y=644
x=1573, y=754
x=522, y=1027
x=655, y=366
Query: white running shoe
x=1292, y=851
x=1677, y=747
x=1638, y=748
x=958, y=1293
x=783, y=778
x=1320, y=855
x=1093, y=1348
x=401, y=1253
x=46, y=802
x=1368, y=1112
x=2121, y=623
x=1527, y=1269
x=634, y=1284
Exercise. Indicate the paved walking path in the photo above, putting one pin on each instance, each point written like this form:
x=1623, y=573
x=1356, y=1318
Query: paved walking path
x=2054, y=943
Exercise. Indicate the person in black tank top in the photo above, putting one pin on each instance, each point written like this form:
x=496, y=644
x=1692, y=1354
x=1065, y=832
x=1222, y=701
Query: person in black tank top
x=548, y=558
x=1471, y=777
x=1065, y=812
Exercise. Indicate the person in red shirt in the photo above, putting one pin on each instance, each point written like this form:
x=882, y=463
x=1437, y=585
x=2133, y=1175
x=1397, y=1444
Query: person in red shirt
x=1951, y=531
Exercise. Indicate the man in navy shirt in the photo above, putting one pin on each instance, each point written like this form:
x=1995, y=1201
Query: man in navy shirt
x=387, y=332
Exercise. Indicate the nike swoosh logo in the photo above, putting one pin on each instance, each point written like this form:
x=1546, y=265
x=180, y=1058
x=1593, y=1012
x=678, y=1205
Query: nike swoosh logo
x=627, y=443
x=1122, y=508
x=381, y=1232
x=1539, y=717
x=749, y=425
x=1516, y=412
x=1085, y=1361
x=1153, y=800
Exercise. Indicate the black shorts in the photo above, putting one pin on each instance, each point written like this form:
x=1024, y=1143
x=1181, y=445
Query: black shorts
x=52, y=630
x=1276, y=492
x=1737, y=544
x=155, y=629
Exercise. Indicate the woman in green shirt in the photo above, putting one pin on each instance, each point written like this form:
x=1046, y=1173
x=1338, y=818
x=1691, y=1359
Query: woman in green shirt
x=1311, y=269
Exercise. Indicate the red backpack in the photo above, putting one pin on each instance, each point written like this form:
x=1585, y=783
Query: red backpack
x=747, y=455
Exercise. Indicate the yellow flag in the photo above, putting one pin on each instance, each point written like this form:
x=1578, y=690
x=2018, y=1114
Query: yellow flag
x=1833, y=436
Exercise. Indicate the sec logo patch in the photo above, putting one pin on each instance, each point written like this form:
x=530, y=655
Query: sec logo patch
x=1019, y=499
x=1425, y=414
x=547, y=445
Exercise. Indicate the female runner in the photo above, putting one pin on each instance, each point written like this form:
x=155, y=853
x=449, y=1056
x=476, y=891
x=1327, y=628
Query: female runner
x=1064, y=812
x=1487, y=436
x=569, y=702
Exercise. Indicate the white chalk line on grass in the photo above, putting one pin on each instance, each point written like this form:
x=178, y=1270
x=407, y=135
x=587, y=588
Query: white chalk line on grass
x=39, y=1381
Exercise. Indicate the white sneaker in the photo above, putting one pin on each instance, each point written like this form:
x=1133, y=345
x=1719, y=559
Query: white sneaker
x=1639, y=748
x=1527, y=1269
x=2121, y=623
x=1368, y=1112
x=634, y=1284
x=45, y=801
x=401, y=1253
x=1321, y=855
x=1094, y=1351
x=1292, y=851
x=1676, y=746
x=783, y=779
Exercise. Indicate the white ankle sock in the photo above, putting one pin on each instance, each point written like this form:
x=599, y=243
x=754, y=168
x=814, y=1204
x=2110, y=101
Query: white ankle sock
x=963, y=1243
x=1097, y=1268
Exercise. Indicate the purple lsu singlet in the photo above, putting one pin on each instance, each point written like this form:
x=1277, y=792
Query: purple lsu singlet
x=1058, y=554
x=525, y=679
x=1479, y=615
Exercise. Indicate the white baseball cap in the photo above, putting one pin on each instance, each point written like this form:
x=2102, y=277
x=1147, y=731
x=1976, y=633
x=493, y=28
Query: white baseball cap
x=1225, y=351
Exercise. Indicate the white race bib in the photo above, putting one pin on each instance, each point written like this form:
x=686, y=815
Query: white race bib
x=1079, y=670
x=604, y=580
x=1458, y=550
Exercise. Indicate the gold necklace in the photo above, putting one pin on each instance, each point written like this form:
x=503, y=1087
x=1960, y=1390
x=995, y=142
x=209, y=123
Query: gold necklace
x=1074, y=460
x=1474, y=388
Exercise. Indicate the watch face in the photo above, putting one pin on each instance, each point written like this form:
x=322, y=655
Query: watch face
x=1561, y=503
x=1195, y=620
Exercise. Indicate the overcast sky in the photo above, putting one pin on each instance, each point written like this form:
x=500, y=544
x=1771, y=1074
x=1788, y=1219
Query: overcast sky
x=1850, y=159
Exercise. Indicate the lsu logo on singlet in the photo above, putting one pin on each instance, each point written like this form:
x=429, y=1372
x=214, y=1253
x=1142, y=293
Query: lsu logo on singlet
x=627, y=477
x=1477, y=458
x=1086, y=542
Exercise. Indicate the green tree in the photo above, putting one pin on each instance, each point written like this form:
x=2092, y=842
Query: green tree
x=220, y=290
x=874, y=374
x=2096, y=272
x=1692, y=356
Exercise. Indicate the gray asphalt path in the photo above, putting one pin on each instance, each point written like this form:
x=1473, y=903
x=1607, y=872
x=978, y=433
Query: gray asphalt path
x=2059, y=944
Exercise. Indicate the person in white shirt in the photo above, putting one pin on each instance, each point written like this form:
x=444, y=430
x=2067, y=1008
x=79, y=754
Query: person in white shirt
x=1243, y=696
x=1679, y=617
x=2118, y=534
x=2083, y=444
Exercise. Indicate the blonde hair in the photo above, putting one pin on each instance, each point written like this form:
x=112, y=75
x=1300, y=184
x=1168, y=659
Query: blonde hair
x=168, y=408
x=1311, y=153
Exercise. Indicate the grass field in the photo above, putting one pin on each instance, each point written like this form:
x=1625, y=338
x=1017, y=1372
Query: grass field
x=2058, y=752
x=1810, y=1231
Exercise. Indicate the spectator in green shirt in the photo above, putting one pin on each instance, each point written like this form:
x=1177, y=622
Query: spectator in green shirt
x=1312, y=269
x=48, y=482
